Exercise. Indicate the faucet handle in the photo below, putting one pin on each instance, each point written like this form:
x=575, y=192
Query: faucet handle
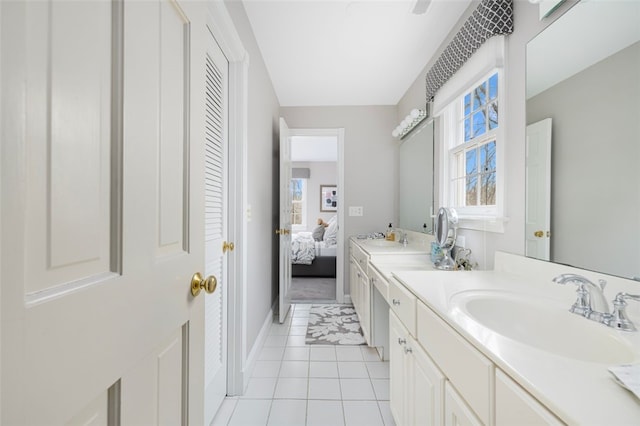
x=603, y=283
x=618, y=318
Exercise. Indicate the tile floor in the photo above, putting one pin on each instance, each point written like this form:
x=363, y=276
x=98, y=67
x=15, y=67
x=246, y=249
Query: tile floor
x=310, y=385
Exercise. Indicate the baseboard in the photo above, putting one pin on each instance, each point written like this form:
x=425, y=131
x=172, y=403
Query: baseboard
x=257, y=347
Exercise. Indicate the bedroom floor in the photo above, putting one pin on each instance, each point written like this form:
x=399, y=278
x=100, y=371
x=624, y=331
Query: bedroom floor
x=312, y=289
x=323, y=385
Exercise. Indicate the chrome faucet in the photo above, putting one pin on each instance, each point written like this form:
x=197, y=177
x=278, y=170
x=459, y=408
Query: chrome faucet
x=588, y=292
x=600, y=312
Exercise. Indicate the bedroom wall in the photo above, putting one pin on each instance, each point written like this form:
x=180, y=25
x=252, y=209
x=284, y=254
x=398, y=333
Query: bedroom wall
x=526, y=26
x=370, y=162
x=321, y=173
x=262, y=181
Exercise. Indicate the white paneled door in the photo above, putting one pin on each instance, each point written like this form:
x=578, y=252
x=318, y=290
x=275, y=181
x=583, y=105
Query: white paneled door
x=285, y=221
x=103, y=162
x=538, y=190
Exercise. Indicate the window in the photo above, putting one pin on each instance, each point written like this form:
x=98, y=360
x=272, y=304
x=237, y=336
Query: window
x=298, y=203
x=473, y=134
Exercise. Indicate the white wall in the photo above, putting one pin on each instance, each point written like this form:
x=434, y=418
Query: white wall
x=262, y=181
x=527, y=26
x=321, y=173
x=370, y=158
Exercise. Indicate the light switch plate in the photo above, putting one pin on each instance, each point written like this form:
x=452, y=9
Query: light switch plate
x=356, y=211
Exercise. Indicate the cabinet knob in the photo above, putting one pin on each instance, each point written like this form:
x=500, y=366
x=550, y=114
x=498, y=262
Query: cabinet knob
x=401, y=341
x=396, y=302
x=408, y=350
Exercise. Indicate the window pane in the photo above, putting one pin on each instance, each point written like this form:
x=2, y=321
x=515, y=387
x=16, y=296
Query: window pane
x=472, y=191
x=488, y=157
x=488, y=189
x=493, y=86
x=493, y=115
x=479, y=96
x=296, y=189
x=467, y=104
x=479, y=123
x=467, y=129
x=472, y=165
x=296, y=219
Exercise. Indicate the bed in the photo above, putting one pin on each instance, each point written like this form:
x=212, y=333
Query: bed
x=311, y=258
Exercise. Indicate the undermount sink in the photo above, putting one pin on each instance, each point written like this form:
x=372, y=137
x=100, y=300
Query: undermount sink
x=381, y=243
x=544, y=324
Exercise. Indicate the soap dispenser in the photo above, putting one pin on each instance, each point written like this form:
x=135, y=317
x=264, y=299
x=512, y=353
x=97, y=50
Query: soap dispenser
x=391, y=236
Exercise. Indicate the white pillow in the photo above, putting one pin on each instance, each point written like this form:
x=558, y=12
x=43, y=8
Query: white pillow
x=331, y=233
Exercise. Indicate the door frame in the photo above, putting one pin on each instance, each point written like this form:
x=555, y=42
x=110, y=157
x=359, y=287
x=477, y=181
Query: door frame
x=339, y=134
x=221, y=26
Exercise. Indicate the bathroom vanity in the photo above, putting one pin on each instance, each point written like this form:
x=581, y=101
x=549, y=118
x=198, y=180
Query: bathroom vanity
x=490, y=347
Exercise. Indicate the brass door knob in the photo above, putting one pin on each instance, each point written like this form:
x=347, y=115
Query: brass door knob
x=198, y=283
x=227, y=247
x=283, y=231
x=538, y=234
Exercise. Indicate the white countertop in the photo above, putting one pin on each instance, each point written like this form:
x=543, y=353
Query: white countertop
x=578, y=392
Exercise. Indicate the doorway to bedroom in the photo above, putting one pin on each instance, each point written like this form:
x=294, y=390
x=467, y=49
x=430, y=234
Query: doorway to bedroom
x=315, y=216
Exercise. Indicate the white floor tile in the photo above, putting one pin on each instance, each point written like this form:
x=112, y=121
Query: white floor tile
x=266, y=369
x=352, y=370
x=296, y=354
x=251, y=412
x=381, y=388
x=301, y=313
x=275, y=340
x=279, y=330
x=378, y=370
x=299, y=321
x=325, y=413
x=369, y=353
x=288, y=412
x=294, y=369
x=296, y=341
x=362, y=413
x=260, y=387
x=291, y=388
x=303, y=306
x=225, y=412
x=357, y=389
x=320, y=353
x=349, y=353
x=298, y=330
x=324, y=389
x=271, y=354
x=385, y=410
x=324, y=369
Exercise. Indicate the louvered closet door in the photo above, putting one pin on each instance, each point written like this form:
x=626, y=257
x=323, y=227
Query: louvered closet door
x=215, y=227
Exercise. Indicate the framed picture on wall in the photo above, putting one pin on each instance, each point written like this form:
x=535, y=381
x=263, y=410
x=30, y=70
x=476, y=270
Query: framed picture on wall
x=328, y=198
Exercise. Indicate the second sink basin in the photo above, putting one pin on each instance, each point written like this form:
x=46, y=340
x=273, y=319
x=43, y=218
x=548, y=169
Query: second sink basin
x=544, y=324
x=381, y=243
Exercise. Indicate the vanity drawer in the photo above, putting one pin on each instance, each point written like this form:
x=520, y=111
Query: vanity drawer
x=403, y=303
x=380, y=282
x=470, y=372
x=360, y=256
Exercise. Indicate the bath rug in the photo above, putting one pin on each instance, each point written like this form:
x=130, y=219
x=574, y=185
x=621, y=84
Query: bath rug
x=334, y=325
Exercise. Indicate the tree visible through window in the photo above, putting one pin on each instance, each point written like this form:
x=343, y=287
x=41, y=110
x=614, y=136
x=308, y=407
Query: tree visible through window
x=473, y=173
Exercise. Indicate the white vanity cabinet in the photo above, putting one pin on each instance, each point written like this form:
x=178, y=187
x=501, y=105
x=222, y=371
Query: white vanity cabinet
x=360, y=288
x=514, y=405
x=417, y=385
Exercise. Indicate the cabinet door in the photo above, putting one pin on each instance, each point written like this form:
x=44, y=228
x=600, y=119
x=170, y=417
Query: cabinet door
x=515, y=406
x=353, y=281
x=456, y=410
x=425, y=388
x=397, y=342
x=365, y=306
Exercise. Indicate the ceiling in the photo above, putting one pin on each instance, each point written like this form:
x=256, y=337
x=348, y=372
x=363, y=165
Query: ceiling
x=341, y=52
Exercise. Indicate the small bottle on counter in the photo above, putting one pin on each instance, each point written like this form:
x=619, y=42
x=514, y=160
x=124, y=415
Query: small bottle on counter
x=391, y=235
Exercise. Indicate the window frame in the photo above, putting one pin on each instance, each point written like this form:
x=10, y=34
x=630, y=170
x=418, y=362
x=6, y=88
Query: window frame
x=488, y=218
x=303, y=202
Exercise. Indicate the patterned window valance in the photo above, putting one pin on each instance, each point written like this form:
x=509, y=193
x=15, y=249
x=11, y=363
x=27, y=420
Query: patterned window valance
x=491, y=17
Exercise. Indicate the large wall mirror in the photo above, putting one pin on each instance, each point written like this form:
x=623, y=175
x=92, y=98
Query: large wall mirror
x=416, y=179
x=583, y=139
